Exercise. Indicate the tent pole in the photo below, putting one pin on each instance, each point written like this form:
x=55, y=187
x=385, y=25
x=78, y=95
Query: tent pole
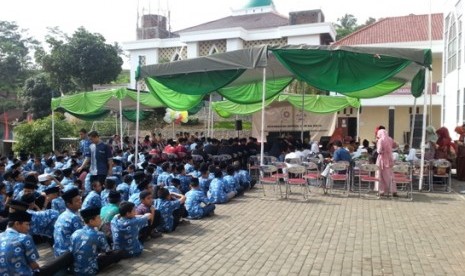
x=423, y=131
x=302, y=114
x=414, y=113
x=262, y=132
x=121, y=123
x=358, y=124
x=53, y=130
x=136, y=154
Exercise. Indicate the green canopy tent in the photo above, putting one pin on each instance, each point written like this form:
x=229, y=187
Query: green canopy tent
x=360, y=72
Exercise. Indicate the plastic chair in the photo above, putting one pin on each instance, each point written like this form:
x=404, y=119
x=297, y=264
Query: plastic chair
x=367, y=173
x=356, y=171
x=295, y=176
x=269, y=176
x=402, y=175
x=442, y=174
x=339, y=172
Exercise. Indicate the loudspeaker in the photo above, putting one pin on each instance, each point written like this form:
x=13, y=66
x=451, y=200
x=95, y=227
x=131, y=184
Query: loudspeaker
x=238, y=124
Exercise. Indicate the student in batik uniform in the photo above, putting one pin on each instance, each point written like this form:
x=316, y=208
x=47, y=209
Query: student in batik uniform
x=169, y=205
x=89, y=247
x=194, y=198
x=17, y=249
x=93, y=199
x=68, y=222
x=125, y=229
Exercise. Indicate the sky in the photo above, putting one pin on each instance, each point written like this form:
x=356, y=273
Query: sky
x=116, y=20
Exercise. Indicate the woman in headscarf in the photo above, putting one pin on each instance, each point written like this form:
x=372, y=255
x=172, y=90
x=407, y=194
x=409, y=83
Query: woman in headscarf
x=430, y=141
x=444, y=144
x=385, y=162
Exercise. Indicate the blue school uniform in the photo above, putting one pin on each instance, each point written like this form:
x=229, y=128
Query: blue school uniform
x=123, y=189
x=86, y=244
x=67, y=223
x=194, y=198
x=17, y=251
x=92, y=200
x=43, y=222
x=104, y=196
x=59, y=205
x=164, y=179
x=217, y=192
x=125, y=234
x=204, y=184
x=166, y=208
x=230, y=184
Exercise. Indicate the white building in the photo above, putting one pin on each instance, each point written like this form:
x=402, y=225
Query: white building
x=395, y=110
x=453, y=64
x=255, y=24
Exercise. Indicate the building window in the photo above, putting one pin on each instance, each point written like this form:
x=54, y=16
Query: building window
x=451, y=36
x=458, y=105
x=213, y=50
x=177, y=56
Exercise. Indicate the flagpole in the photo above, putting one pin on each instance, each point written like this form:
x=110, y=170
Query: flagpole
x=136, y=154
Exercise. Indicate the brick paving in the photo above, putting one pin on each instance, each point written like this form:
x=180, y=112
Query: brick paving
x=325, y=235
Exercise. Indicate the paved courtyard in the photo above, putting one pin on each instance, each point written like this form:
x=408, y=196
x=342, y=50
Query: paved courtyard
x=326, y=235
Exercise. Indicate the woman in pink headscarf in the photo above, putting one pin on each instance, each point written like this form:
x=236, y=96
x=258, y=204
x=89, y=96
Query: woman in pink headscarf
x=385, y=162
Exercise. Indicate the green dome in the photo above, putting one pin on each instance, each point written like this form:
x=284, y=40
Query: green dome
x=258, y=3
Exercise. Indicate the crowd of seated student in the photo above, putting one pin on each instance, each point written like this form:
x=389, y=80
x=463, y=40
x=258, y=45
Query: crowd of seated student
x=92, y=224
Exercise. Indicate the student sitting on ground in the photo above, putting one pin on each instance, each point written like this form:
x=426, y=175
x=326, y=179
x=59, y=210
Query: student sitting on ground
x=123, y=188
x=146, y=207
x=93, y=199
x=169, y=206
x=89, y=247
x=108, y=212
x=125, y=229
x=110, y=185
x=194, y=198
x=217, y=192
x=17, y=249
x=204, y=180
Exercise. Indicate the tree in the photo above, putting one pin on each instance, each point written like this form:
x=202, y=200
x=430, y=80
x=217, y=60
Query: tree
x=15, y=62
x=348, y=24
x=37, y=94
x=76, y=63
x=36, y=137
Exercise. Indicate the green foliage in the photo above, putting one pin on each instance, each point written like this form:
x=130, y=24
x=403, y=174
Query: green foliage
x=36, y=95
x=76, y=63
x=348, y=24
x=123, y=77
x=15, y=63
x=105, y=126
x=36, y=137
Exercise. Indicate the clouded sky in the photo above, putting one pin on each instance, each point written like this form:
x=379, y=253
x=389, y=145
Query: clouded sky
x=116, y=19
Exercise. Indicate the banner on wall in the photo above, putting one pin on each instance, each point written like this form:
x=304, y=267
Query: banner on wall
x=282, y=117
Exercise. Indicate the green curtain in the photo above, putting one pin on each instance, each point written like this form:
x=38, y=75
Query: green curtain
x=92, y=116
x=340, y=71
x=418, y=83
x=252, y=93
x=131, y=115
x=171, y=98
x=313, y=103
x=319, y=103
x=196, y=108
x=146, y=99
x=226, y=109
x=199, y=83
x=378, y=90
x=83, y=103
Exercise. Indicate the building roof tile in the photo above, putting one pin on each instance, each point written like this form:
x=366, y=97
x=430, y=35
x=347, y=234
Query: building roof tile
x=396, y=29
